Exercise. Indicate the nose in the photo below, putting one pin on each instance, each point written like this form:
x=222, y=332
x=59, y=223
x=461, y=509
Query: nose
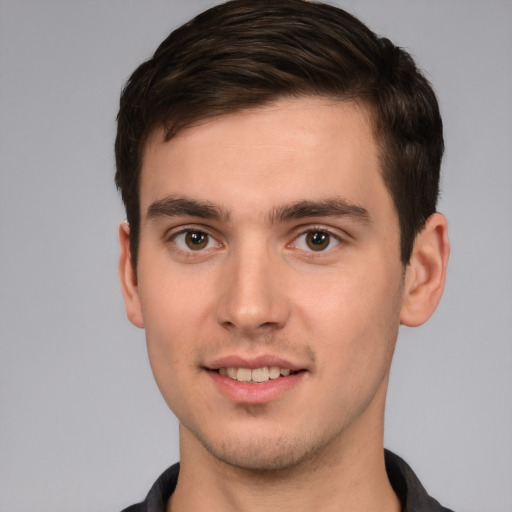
x=253, y=297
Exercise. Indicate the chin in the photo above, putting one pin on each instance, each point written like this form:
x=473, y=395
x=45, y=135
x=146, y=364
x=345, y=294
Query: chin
x=276, y=453
x=258, y=457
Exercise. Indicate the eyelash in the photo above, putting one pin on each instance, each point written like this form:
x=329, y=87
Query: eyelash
x=191, y=231
x=332, y=237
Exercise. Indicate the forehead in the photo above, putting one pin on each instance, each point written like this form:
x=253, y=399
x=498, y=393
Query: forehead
x=289, y=150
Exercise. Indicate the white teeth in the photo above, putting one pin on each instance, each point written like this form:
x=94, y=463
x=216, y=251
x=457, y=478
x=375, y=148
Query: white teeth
x=262, y=374
x=244, y=375
x=274, y=372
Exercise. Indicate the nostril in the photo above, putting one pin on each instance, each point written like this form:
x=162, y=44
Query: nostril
x=252, y=308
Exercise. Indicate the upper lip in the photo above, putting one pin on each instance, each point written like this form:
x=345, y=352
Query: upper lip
x=238, y=361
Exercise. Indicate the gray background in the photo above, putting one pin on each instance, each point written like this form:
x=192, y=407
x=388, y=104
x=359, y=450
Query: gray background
x=82, y=425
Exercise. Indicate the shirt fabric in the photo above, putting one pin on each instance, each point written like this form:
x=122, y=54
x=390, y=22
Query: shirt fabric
x=412, y=494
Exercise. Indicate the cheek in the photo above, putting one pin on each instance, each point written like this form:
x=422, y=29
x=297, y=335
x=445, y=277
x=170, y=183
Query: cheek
x=354, y=295
x=170, y=351
x=354, y=314
x=173, y=313
x=173, y=302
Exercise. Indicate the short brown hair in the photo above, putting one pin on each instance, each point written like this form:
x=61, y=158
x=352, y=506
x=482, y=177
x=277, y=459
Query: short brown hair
x=245, y=53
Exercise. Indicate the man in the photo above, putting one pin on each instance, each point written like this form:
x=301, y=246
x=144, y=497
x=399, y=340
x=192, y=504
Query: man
x=279, y=165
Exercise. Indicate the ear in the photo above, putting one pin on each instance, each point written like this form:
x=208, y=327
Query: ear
x=426, y=272
x=128, y=277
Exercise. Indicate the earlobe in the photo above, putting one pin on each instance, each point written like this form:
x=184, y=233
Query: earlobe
x=426, y=272
x=128, y=278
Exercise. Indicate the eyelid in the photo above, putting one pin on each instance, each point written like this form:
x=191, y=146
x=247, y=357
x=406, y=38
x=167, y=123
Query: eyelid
x=184, y=228
x=340, y=236
x=171, y=234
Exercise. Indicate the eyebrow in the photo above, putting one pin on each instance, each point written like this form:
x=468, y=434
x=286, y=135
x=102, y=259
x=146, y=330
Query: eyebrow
x=332, y=207
x=172, y=206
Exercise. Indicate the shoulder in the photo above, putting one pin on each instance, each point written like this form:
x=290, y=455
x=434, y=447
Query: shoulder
x=408, y=488
x=139, y=507
x=159, y=494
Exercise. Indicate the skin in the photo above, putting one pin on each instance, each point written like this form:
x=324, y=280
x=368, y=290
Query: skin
x=258, y=290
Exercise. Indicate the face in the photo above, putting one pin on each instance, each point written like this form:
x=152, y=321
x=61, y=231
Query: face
x=269, y=281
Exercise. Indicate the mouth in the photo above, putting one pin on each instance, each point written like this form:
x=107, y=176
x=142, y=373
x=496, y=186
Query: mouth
x=255, y=375
x=257, y=380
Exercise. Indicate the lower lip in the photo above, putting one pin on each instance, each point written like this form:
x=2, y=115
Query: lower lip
x=257, y=393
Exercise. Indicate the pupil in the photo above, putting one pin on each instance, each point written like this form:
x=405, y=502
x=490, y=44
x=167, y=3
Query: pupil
x=318, y=240
x=196, y=240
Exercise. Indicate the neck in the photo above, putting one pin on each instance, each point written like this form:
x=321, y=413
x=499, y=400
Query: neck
x=349, y=474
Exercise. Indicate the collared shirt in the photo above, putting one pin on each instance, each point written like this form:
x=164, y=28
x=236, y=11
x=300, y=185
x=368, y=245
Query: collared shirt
x=412, y=494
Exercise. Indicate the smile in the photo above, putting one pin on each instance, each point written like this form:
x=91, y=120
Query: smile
x=256, y=375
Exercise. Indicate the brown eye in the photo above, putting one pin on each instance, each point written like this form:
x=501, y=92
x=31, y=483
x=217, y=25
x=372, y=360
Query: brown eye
x=318, y=240
x=196, y=240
